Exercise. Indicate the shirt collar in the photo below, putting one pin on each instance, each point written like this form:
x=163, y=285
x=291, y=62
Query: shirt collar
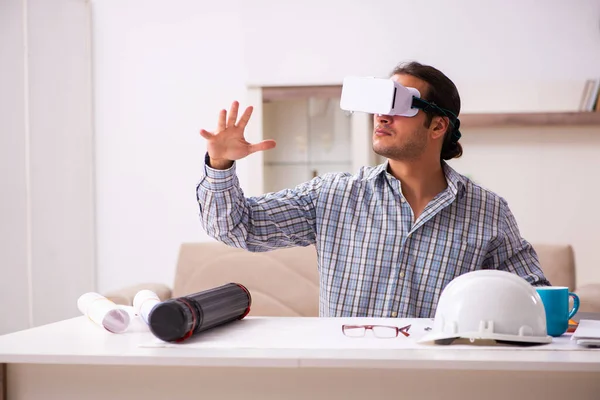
x=456, y=182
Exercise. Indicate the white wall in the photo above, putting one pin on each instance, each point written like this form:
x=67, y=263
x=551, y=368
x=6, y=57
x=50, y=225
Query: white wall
x=164, y=69
x=549, y=177
x=14, y=276
x=503, y=55
x=47, y=208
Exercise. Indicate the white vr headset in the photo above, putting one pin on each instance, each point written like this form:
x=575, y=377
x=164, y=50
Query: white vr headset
x=378, y=96
x=388, y=97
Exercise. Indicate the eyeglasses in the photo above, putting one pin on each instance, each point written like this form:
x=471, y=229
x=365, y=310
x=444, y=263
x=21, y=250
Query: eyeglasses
x=380, y=331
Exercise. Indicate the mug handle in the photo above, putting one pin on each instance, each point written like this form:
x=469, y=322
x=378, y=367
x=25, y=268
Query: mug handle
x=575, y=304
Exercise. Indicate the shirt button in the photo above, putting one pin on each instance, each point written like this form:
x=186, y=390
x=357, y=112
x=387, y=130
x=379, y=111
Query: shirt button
x=402, y=199
x=401, y=274
x=394, y=314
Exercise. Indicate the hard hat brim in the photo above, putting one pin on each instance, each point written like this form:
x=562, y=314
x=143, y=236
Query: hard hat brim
x=431, y=338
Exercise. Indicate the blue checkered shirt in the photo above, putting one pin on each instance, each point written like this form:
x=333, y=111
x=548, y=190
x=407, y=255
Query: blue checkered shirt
x=373, y=260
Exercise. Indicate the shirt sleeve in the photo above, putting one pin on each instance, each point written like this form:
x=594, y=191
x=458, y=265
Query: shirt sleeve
x=281, y=219
x=514, y=254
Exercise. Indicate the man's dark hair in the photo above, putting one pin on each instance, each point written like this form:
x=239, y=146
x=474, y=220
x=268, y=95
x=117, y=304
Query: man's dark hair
x=443, y=93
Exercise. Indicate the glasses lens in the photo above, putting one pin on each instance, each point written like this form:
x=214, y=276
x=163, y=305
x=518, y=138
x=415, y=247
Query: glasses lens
x=384, y=331
x=354, y=331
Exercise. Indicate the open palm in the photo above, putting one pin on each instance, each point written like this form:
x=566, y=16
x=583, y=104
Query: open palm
x=227, y=143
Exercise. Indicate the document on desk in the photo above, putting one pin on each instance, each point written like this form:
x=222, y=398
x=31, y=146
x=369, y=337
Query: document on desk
x=587, y=333
x=326, y=333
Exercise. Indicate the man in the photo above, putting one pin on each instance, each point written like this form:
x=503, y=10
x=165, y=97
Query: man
x=389, y=238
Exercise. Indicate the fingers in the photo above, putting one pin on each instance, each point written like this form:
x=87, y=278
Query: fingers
x=264, y=145
x=233, y=113
x=205, y=134
x=221, y=123
x=226, y=122
x=245, y=118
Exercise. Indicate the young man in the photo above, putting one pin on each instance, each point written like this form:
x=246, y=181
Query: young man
x=389, y=238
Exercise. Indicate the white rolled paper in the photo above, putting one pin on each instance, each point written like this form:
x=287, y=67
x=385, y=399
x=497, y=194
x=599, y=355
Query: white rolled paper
x=103, y=312
x=143, y=302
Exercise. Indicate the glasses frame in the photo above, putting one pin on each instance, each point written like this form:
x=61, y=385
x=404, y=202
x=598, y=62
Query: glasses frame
x=403, y=330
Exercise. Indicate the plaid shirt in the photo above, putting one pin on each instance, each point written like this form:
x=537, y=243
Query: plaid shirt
x=373, y=260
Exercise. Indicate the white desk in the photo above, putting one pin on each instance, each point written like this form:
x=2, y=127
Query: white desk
x=75, y=359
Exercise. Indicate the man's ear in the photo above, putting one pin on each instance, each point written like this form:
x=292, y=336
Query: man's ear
x=438, y=127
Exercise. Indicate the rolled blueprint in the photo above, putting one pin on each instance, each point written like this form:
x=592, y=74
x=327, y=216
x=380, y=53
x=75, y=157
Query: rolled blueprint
x=143, y=302
x=103, y=312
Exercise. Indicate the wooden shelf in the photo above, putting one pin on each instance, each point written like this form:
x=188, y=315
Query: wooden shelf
x=502, y=120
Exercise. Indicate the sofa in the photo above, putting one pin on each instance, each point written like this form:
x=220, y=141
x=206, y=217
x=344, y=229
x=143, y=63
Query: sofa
x=285, y=282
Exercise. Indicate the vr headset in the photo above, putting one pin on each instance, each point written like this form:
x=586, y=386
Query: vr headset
x=388, y=97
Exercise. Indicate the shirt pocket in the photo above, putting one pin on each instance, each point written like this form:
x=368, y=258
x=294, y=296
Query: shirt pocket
x=468, y=256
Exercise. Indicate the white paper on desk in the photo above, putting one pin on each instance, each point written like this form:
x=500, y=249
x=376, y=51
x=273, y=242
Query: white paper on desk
x=325, y=333
x=587, y=329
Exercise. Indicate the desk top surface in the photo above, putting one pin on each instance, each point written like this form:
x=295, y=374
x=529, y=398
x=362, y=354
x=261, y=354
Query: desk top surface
x=281, y=342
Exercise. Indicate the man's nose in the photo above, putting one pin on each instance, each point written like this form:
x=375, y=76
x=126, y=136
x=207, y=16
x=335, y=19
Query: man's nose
x=384, y=119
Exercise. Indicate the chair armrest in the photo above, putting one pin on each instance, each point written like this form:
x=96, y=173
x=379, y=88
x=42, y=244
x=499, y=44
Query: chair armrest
x=124, y=296
x=589, y=297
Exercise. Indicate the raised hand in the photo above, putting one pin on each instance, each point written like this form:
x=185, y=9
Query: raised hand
x=227, y=143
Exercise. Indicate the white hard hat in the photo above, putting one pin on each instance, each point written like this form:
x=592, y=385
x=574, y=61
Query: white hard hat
x=489, y=304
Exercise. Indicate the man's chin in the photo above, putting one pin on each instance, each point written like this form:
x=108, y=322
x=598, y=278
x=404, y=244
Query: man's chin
x=391, y=153
x=381, y=151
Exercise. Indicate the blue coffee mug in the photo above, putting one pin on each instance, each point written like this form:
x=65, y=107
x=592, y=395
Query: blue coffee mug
x=556, y=304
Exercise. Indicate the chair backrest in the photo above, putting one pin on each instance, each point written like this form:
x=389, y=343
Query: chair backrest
x=283, y=282
x=558, y=263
